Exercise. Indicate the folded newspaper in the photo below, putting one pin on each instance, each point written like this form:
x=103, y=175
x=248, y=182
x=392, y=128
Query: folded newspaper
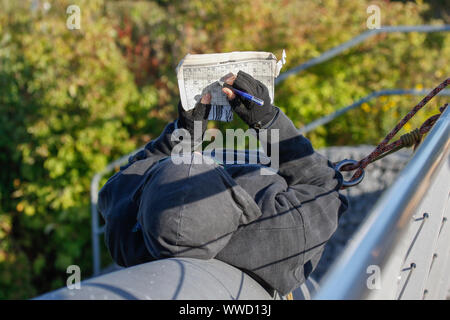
x=200, y=73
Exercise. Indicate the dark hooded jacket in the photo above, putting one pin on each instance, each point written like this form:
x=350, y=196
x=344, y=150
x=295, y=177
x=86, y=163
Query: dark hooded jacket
x=274, y=226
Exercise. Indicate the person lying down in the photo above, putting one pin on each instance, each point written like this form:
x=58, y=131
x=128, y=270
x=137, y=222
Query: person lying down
x=272, y=226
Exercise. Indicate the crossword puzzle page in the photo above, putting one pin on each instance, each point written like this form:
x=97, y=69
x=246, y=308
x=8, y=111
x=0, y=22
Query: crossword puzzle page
x=200, y=73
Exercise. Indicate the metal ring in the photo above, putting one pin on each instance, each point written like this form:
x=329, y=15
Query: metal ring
x=350, y=183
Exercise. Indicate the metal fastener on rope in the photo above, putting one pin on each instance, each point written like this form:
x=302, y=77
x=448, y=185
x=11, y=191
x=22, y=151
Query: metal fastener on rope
x=350, y=183
x=411, y=138
x=383, y=148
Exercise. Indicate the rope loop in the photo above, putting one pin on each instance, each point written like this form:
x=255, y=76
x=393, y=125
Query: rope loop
x=354, y=181
x=383, y=149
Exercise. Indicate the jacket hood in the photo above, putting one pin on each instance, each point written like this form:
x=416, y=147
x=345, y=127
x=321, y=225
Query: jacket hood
x=190, y=206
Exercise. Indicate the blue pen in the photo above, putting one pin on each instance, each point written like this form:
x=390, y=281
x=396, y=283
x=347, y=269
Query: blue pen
x=245, y=95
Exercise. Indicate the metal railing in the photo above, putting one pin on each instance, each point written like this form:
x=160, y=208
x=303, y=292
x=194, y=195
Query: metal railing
x=97, y=230
x=324, y=120
x=327, y=55
x=404, y=233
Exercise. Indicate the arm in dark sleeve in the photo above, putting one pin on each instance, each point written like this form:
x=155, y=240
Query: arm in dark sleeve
x=298, y=163
x=312, y=188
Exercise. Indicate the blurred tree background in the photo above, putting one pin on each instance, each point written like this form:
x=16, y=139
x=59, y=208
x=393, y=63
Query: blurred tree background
x=72, y=101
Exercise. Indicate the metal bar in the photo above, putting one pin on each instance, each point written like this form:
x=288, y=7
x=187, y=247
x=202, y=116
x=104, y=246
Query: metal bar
x=94, y=225
x=324, y=120
x=327, y=55
x=374, y=241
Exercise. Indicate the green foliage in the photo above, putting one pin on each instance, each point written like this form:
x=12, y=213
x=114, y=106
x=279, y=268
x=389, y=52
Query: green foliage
x=73, y=100
x=67, y=97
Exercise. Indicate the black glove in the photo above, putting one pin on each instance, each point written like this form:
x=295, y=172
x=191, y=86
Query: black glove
x=199, y=113
x=254, y=115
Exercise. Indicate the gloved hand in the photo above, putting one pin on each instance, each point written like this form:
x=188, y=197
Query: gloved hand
x=254, y=115
x=199, y=113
